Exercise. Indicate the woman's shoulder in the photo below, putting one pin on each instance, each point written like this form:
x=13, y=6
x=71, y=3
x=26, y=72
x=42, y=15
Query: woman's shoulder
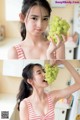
x=23, y=108
x=24, y=102
x=12, y=54
x=14, y=51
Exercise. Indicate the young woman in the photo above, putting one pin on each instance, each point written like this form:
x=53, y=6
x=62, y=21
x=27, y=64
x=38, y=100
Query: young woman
x=33, y=102
x=34, y=16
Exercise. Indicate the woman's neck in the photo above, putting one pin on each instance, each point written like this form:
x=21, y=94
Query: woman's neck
x=38, y=94
x=34, y=40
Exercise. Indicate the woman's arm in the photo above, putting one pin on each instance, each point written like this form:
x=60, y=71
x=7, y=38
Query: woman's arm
x=23, y=111
x=64, y=93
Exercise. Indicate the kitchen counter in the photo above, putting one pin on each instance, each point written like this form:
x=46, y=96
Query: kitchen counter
x=6, y=44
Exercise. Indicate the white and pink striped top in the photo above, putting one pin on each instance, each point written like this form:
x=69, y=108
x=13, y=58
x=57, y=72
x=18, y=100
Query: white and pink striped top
x=20, y=52
x=48, y=116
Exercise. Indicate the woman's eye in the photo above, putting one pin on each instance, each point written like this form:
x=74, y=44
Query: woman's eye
x=44, y=70
x=34, y=18
x=39, y=72
x=46, y=19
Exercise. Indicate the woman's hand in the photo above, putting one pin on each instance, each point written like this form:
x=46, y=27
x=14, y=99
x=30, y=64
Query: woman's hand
x=58, y=62
x=56, y=51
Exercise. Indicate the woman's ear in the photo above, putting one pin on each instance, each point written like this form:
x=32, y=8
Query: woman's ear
x=30, y=81
x=22, y=17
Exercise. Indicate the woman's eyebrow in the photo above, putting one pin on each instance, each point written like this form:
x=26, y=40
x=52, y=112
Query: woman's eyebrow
x=34, y=15
x=46, y=16
x=38, y=71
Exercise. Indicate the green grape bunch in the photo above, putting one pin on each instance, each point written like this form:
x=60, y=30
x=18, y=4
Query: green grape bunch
x=58, y=26
x=51, y=73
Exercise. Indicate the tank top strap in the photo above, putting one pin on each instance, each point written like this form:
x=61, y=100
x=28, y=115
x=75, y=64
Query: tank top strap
x=30, y=107
x=51, y=106
x=49, y=116
x=32, y=114
x=20, y=52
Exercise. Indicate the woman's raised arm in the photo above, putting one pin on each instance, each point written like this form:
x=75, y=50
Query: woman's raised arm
x=64, y=93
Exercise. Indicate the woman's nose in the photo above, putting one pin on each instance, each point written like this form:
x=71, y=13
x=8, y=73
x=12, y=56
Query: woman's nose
x=43, y=74
x=39, y=23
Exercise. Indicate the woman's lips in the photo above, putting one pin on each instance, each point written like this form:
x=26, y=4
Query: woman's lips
x=38, y=30
x=44, y=81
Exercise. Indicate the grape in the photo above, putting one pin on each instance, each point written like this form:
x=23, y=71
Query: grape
x=58, y=26
x=51, y=73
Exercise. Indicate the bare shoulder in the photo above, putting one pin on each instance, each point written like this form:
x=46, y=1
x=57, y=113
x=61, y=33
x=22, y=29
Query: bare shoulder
x=23, y=103
x=12, y=54
x=24, y=110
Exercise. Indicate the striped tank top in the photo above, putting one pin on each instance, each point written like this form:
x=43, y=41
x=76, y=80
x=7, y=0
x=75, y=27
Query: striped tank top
x=20, y=52
x=48, y=116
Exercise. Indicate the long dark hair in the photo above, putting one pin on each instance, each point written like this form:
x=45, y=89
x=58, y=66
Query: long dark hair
x=28, y=4
x=25, y=89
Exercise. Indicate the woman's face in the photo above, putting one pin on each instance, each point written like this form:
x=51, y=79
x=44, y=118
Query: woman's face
x=36, y=20
x=39, y=77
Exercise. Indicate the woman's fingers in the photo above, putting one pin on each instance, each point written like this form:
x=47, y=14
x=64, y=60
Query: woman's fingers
x=64, y=38
x=56, y=49
x=52, y=41
x=59, y=41
x=51, y=51
x=52, y=45
x=55, y=62
x=58, y=38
